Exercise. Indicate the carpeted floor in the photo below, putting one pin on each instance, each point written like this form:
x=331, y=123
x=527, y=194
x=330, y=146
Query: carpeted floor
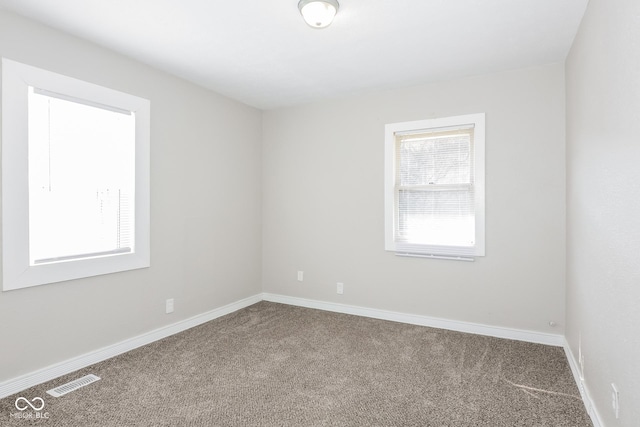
x=278, y=365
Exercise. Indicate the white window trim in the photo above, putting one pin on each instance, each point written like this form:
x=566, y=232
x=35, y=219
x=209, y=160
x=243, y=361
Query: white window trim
x=427, y=251
x=17, y=273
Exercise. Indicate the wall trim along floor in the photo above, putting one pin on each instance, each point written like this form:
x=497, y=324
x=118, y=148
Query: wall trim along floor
x=582, y=387
x=415, y=319
x=23, y=382
x=48, y=373
x=454, y=325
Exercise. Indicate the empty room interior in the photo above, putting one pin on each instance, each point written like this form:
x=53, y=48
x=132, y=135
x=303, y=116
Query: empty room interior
x=417, y=212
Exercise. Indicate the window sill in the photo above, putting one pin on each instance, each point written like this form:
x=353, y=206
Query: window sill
x=446, y=257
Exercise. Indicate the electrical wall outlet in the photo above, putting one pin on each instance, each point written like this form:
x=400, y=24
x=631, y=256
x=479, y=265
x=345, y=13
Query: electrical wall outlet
x=340, y=288
x=169, y=306
x=300, y=276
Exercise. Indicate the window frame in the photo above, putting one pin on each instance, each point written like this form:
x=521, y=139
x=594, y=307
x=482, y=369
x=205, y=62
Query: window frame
x=17, y=271
x=466, y=253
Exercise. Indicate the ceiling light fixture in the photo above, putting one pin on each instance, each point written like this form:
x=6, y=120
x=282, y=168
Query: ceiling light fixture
x=318, y=13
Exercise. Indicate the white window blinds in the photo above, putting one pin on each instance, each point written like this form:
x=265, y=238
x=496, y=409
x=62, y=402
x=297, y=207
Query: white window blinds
x=81, y=178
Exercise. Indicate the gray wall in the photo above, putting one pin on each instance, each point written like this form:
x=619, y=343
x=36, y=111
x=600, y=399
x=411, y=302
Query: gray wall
x=323, y=205
x=205, y=212
x=603, y=194
x=218, y=231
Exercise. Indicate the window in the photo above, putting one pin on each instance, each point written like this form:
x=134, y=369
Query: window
x=75, y=178
x=434, y=195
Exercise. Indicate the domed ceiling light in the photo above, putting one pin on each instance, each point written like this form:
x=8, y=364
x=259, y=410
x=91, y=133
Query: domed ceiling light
x=318, y=13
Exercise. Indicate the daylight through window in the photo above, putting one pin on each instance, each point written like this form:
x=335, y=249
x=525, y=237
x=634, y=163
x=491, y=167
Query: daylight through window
x=81, y=179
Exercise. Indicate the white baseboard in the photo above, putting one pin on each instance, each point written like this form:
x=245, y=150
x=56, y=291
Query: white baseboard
x=23, y=382
x=473, y=328
x=582, y=387
x=414, y=319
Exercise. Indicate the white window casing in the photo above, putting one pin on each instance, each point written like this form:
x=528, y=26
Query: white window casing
x=45, y=232
x=434, y=187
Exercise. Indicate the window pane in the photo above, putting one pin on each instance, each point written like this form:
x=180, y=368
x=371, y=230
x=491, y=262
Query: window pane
x=436, y=217
x=435, y=160
x=81, y=178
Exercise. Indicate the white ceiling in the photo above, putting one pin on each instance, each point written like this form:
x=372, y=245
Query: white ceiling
x=262, y=53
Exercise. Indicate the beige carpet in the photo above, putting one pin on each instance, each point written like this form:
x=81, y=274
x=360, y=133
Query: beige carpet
x=277, y=365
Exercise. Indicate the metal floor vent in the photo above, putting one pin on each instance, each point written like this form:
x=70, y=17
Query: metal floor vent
x=73, y=385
